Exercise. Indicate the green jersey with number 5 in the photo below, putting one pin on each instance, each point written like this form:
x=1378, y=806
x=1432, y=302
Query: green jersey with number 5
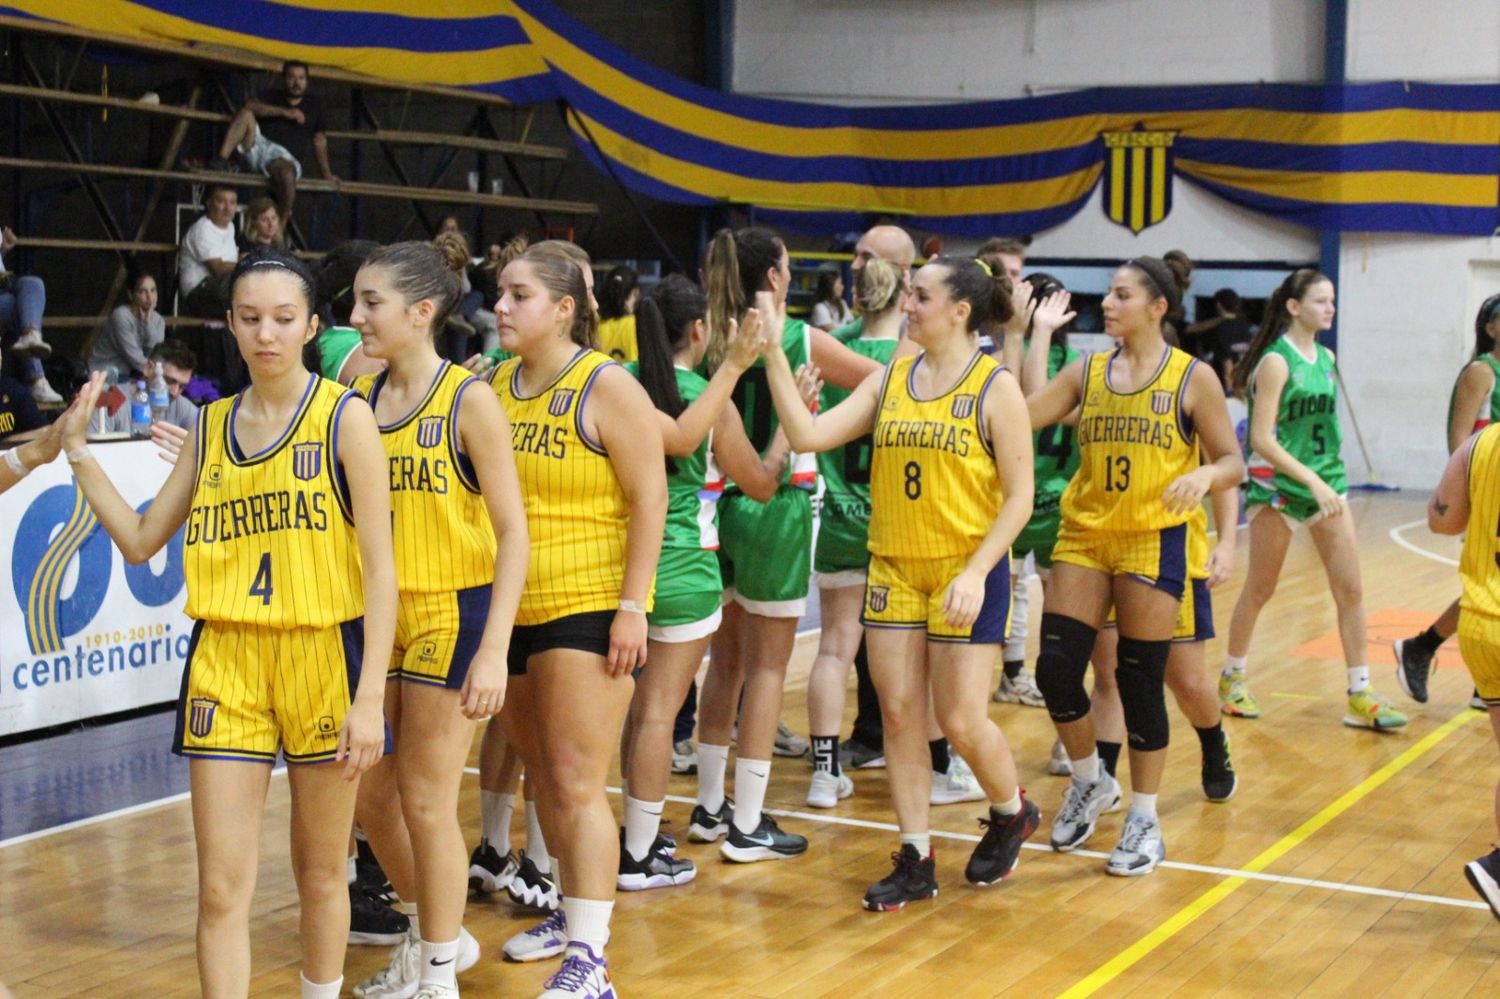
x=1307, y=422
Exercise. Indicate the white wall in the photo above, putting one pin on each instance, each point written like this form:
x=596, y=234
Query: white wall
x=1406, y=302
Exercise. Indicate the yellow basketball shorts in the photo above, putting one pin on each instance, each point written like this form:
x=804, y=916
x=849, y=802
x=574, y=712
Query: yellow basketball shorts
x=249, y=690
x=909, y=593
x=1157, y=558
x=1195, y=615
x=437, y=635
x=1479, y=641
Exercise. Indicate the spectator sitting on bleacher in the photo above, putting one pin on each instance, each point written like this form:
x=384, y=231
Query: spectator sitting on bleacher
x=208, y=255
x=277, y=132
x=131, y=332
x=23, y=299
x=177, y=363
x=262, y=226
x=19, y=417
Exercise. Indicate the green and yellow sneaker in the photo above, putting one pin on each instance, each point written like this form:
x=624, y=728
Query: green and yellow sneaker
x=1235, y=698
x=1368, y=709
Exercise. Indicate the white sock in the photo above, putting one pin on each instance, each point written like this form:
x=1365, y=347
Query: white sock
x=1359, y=678
x=1234, y=664
x=751, y=778
x=1086, y=770
x=588, y=921
x=713, y=761
x=921, y=843
x=327, y=990
x=1020, y=600
x=1143, y=804
x=642, y=822
x=1005, y=809
x=351, y=872
x=438, y=963
x=495, y=810
x=536, y=845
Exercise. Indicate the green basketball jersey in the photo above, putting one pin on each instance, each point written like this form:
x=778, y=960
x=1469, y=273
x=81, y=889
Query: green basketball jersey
x=844, y=519
x=752, y=395
x=1307, y=423
x=694, y=484
x=1494, y=411
x=850, y=331
x=1055, y=451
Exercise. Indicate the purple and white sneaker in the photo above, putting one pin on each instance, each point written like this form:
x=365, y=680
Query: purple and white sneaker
x=583, y=975
x=545, y=939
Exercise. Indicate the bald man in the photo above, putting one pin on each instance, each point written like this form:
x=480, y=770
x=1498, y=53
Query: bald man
x=887, y=242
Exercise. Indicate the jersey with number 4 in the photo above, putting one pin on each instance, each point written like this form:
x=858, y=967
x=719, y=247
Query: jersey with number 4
x=269, y=538
x=934, y=490
x=1307, y=421
x=1131, y=447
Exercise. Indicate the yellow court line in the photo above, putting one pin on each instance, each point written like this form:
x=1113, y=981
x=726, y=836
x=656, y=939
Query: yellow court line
x=1179, y=920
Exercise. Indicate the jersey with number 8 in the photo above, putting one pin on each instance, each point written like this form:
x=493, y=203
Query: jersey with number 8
x=269, y=538
x=1131, y=446
x=934, y=490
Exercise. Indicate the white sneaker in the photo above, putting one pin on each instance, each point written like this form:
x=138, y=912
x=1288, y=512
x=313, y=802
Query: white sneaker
x=826, y=790
x=684, y=757
x=32, y=343
x=401, y=978
x=958, y=784
x=437, y=992
x=1140, y=848
x=1082, y=805
x=44, y=393
x=1022, y=690
x=546, y=939
x=1058, y=765
x=584, y=975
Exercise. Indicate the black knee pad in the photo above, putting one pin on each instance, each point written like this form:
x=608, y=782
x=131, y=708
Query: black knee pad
x=1067, y=644
x=1141, y=677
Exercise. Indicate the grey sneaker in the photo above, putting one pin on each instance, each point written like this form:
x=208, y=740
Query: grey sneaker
x=684, y=757
x=1082, y=805
x=1058, y=765
x=857, y=756
x=789, y=743
x=1022, y=690
x=1140, y=848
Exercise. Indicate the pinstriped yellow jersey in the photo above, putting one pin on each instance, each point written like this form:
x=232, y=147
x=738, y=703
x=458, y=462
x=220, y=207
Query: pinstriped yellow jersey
x=575, y=509
x=934, y=490
x=1479, y=565
x=444, y=539
x=1131, y=446
x=270, y=536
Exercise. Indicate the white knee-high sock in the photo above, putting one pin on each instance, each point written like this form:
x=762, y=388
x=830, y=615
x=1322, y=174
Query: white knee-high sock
x=642, y=822
x=751, y=778
x=495, y=810
x=713, y=761
x=536, y=845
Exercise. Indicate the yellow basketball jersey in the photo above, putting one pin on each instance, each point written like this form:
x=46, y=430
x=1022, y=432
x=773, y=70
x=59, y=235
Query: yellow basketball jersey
x=1131, y=446
x=270, y=537
x=934, y=491
x=575, y=509
x=444, y=538
x=1479, y=565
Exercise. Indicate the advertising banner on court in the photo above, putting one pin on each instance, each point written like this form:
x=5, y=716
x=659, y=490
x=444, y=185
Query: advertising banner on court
x=81, y=632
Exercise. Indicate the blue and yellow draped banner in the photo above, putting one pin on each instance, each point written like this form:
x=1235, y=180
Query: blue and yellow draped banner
x=1385, y=156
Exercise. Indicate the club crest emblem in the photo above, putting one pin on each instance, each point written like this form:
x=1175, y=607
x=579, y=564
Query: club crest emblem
x=307, y=460
x=963, y=407
x=429, y=431
x=201, y=716
x=1137, y=176
x=561, y=401
x=1161, y=402
x=879, y=595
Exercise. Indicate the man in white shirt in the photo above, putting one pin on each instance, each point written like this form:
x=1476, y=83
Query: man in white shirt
x=208, y=255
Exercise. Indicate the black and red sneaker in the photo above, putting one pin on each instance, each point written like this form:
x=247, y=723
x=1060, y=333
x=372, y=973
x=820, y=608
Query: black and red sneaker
x=999, y=850
x=912, y=879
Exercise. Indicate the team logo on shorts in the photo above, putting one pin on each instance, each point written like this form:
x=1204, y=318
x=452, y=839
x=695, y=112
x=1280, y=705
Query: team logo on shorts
x=326, y=725
x=963, y=407
x=201, y=716
x=429, y=431
x=1161, y=403
x=428, y=652
x=879, y=596
x=215, y=476
x=307, y=460
x=561, y=401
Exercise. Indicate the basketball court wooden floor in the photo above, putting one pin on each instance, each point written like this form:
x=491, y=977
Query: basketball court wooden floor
x=1336, y=870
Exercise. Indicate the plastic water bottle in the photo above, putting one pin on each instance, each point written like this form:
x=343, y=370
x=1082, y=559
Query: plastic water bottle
x=160, y=398
x=140, y=411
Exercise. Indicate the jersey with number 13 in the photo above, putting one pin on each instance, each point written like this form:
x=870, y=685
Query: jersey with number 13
x=1131, y=447
x=269, y=538
x=934, y=490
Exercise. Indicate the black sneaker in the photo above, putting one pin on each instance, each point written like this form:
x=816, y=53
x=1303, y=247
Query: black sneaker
x=490, y=872
x=658, y=870
x=531, y=888
x=665, y=842
x=706, y=827
x=912, y=879
x=1484, y=875
x=369, y=876
x=1219, y=779
x=373, y=921
x=999, y=850
x=1414, y=666
x=857, y=756
x=768, y=842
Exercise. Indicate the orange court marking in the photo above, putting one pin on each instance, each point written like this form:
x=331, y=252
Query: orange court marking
x=1383, y=628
